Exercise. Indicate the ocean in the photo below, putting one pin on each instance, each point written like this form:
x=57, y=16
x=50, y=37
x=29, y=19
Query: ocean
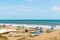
x=38, y=22
x=32, y=23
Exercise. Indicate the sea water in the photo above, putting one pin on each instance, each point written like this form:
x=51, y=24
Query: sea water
x=42, y=22
x=32, y=22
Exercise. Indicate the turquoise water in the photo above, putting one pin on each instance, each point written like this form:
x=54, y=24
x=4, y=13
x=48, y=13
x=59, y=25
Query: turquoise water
x=43, y=22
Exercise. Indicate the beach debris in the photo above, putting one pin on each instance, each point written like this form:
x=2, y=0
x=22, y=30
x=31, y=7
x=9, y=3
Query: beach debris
x=26, y=30
x=3, y=37
x=49, y=30
x=21, y=38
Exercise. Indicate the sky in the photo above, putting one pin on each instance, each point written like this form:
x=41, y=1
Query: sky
x=30, y=9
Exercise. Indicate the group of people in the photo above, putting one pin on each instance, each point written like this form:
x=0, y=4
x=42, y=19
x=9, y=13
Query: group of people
x=40, y=29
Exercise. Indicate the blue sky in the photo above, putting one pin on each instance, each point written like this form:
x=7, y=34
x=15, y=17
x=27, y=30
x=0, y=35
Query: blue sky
x=30, y=9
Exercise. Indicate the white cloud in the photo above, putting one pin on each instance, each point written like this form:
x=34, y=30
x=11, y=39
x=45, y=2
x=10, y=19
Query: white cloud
x=17, y=8
x=5, y=7
x=29, y=0
x=56, y=8
x=24, y=8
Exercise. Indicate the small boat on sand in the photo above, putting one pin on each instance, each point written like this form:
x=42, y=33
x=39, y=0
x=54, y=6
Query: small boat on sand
x=34, y=33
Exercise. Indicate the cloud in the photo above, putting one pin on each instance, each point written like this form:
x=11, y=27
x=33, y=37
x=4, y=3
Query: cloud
x=24, y=8
x=6, y=7
x=21, y=8
x=56, y=8
x=29, y=0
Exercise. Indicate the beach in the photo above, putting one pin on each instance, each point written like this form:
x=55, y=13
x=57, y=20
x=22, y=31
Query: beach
x=48, y=36
x=55, y=35
x=29, y=19
x=20, y=32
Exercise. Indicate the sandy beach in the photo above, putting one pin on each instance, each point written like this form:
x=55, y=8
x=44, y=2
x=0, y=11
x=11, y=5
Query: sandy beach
x=55, y=35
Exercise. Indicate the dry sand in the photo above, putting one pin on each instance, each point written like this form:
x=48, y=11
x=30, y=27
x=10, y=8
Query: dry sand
x=48, y=36
x=55, y=35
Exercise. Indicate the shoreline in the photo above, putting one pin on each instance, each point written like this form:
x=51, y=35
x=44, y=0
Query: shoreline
x=30, y=25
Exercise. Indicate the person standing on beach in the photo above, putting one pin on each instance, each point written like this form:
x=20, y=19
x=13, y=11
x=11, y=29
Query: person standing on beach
x=27, y=34
x=41, y=29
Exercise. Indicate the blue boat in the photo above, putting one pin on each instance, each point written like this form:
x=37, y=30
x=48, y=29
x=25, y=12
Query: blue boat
x=34, y=33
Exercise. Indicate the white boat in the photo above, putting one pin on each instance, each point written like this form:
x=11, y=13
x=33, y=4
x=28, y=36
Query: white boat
x=5, y=30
